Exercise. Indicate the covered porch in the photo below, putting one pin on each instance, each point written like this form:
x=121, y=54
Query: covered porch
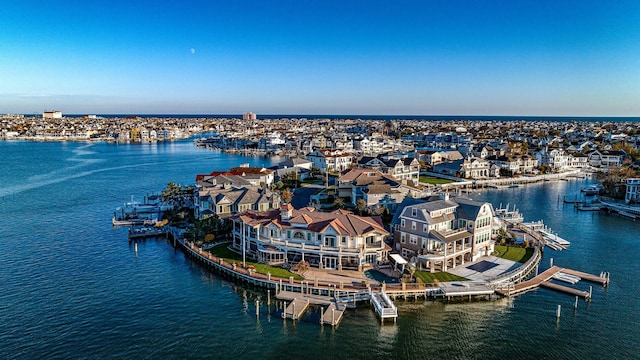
x=446, y=251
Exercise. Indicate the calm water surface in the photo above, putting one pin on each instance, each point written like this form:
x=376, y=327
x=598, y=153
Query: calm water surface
x=72, y=287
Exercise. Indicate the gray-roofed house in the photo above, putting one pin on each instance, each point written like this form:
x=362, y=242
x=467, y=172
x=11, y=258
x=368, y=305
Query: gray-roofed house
x=442, y=234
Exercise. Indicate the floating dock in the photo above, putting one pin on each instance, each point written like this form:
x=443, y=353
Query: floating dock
x=296, y=308
x=332, y=315
x=565, y=289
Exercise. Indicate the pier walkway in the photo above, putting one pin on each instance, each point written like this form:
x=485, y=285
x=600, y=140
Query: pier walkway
x=300, y=303
x=544, y=279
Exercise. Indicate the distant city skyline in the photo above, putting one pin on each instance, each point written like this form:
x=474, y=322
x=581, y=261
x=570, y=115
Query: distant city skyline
x=521, y=58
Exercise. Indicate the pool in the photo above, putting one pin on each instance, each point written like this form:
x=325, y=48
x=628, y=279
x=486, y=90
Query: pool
x=380, y=277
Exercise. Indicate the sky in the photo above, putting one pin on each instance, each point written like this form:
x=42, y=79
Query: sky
x=369, y=57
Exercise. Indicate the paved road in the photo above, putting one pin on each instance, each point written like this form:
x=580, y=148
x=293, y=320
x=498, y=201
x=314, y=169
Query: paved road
x=301, y=195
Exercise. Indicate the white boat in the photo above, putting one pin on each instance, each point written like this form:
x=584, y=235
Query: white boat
x=591, y=190
x=149, y=210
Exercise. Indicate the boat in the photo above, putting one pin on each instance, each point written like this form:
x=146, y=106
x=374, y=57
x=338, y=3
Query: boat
x=150, y=209
x=145, y=232
x=134, y=222
x=590, y=190
x=511, y=216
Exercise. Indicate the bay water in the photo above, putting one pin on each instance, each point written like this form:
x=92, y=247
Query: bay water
x=72, y=287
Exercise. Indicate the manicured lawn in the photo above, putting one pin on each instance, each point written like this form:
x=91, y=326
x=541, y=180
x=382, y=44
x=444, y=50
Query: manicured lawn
x=434, y=180
x=428, y=277
x=229, y=256
x=517, y=254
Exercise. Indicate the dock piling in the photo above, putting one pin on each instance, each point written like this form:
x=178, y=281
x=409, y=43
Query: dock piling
x=575, y=306
x=135, y=247
x=257, y=308
x=551, y=262
x=558, y=312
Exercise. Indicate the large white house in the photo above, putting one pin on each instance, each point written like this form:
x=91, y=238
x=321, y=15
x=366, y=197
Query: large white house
x=336, y=240
x=632, y=194
x=442, y=234
x=331, y=160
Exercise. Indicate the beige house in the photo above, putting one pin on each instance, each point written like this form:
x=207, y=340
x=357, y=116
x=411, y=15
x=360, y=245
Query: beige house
x=337, y=240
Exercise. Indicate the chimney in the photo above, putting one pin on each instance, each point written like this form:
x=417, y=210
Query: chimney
x=286, y=210
x=444, y=196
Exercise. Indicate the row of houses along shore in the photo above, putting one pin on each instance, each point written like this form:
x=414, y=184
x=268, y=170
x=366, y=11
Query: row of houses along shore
x=463, y=148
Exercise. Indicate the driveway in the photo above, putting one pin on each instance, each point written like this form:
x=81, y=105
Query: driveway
x=302, y=195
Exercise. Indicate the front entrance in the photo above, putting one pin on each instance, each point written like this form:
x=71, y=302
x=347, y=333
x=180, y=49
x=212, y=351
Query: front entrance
x=329, y=263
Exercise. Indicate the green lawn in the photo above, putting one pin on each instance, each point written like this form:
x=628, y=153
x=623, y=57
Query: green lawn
x=517, y=254
x=428, y=277
x=229, y=256
x=434, y=180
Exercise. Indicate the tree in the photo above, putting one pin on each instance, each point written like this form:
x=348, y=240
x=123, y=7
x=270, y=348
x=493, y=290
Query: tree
x=361, y=205
x=176, y=195
x=286, y=196
x=338, y=203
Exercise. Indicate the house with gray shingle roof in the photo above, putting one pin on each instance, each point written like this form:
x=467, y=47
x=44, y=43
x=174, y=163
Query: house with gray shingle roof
x=441, y=234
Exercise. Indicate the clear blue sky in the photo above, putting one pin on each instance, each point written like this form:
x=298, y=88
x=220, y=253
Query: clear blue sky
x=321, y=57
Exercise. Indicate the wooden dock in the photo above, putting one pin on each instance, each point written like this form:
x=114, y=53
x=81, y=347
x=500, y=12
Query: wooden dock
x=312, y=298
x=295, y=309
x=602, y=280
x=530, y=284
x=544, y=279
x=566, y=289
x=332, y=315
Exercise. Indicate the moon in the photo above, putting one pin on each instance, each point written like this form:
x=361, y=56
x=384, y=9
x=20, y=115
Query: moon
x=193, y=51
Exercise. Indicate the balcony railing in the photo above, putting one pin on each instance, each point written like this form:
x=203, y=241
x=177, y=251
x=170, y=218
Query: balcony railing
x=305, y=246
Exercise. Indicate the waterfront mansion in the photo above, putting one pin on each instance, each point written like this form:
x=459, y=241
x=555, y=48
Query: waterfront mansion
x=442, y=234
x=336, y=240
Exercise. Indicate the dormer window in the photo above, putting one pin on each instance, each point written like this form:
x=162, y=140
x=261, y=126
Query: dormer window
x=414, y=212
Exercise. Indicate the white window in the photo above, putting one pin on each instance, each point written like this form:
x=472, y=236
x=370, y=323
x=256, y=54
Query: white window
x=413, y=225
x=425, y=228
x=402, y=238
x=413, y=240
x=414, y=212
x=402, y=222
